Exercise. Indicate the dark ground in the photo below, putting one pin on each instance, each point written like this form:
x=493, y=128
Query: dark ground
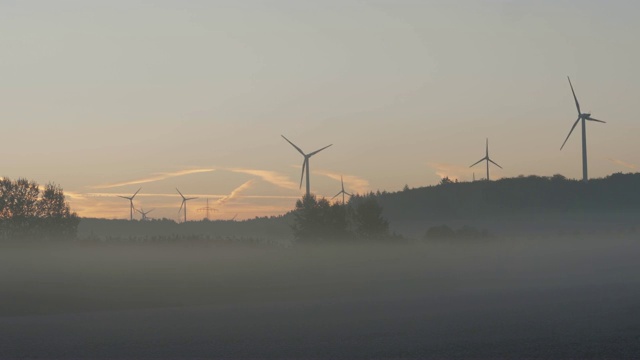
x=552, y=298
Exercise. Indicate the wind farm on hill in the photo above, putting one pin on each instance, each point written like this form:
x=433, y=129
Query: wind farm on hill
x=305, y=175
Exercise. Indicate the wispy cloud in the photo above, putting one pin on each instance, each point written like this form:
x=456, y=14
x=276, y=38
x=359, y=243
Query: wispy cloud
x=76, y=195
x=235, y=193
x=623, y=163
x=269, y=176
x=452, y=171
x=153, y=178
x=352, y=183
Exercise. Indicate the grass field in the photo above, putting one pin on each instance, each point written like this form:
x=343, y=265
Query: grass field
x=552, y=298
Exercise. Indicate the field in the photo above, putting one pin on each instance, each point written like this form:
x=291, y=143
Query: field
x=516, y=298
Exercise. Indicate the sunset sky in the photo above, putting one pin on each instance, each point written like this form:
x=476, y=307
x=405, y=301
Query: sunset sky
x=105, y=97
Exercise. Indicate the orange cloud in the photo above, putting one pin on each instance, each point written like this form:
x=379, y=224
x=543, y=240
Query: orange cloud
x=352, y=183
x=453, y=172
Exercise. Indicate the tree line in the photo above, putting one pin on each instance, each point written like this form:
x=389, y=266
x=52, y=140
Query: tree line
x=317, y=220
x=28, y=210
x=509, y=196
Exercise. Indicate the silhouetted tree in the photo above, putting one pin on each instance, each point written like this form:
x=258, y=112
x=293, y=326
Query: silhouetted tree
x=24, y=213
x=368, y=219
x=57, y=220
x=318, y=220
x=446, y=181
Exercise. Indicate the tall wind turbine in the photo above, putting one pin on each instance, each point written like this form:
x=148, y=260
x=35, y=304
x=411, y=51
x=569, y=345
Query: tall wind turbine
x=144, y=213
x=305, y=163
x=184, y=204
x=487, y=159
x=584, y=117
x=342, y=191
x=130, y=198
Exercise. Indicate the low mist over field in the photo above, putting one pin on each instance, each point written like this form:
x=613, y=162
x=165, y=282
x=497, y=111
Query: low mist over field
x=561, y=297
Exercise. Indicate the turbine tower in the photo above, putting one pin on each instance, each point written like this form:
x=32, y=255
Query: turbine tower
x=144, y=213
x=305, y=163
x=342, y=191
x=584, y=117
x=130, y=198
x=184, y=204
x=487, y=159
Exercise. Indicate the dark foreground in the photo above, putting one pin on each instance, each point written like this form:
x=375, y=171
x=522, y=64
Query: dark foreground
x=553, y=298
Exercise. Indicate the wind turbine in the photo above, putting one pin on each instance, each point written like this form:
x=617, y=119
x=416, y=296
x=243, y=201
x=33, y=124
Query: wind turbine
x=584, y=117
x=487, y=159
x=184, y=204
x=342, y=191
x=130, y=198
x=305, y=163
x=144, y=213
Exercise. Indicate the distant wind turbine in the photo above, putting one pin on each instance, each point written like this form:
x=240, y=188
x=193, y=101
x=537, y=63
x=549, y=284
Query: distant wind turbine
x=305, y=163
x=130, y=198
x=144, y=213
x=584, y=117
x=184, y=204
x=342, y=191
x=487, y=159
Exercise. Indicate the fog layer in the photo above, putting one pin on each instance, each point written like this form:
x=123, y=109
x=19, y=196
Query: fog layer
x=547, y=298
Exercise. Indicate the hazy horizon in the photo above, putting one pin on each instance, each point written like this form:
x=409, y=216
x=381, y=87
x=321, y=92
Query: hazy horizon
x=103, y=98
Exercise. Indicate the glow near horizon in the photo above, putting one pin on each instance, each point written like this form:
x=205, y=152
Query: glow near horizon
x=109, y=92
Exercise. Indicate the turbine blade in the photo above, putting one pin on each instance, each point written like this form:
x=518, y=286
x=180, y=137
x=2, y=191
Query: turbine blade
x=294, y=145
x=304, y=163
x=346, y=193
x=136, y=193
x=317, y=151
x=336, y=195
x=193, y=198
x=573, y=127
x=342, y=183
x=494, y=163
x=487, y=148
x=478, y=162
x=181, y=205
x=124, y=197
x=592, y=119
x=574, y=96
x=180, y=193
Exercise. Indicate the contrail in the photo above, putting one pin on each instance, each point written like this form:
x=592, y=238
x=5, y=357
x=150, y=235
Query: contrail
x=153, y=178
x=354, y=183
x=271, y=177
x=623, y=163
x=234, y=194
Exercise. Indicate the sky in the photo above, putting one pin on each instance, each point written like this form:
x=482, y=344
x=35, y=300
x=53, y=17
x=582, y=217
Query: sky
x=106, y=97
